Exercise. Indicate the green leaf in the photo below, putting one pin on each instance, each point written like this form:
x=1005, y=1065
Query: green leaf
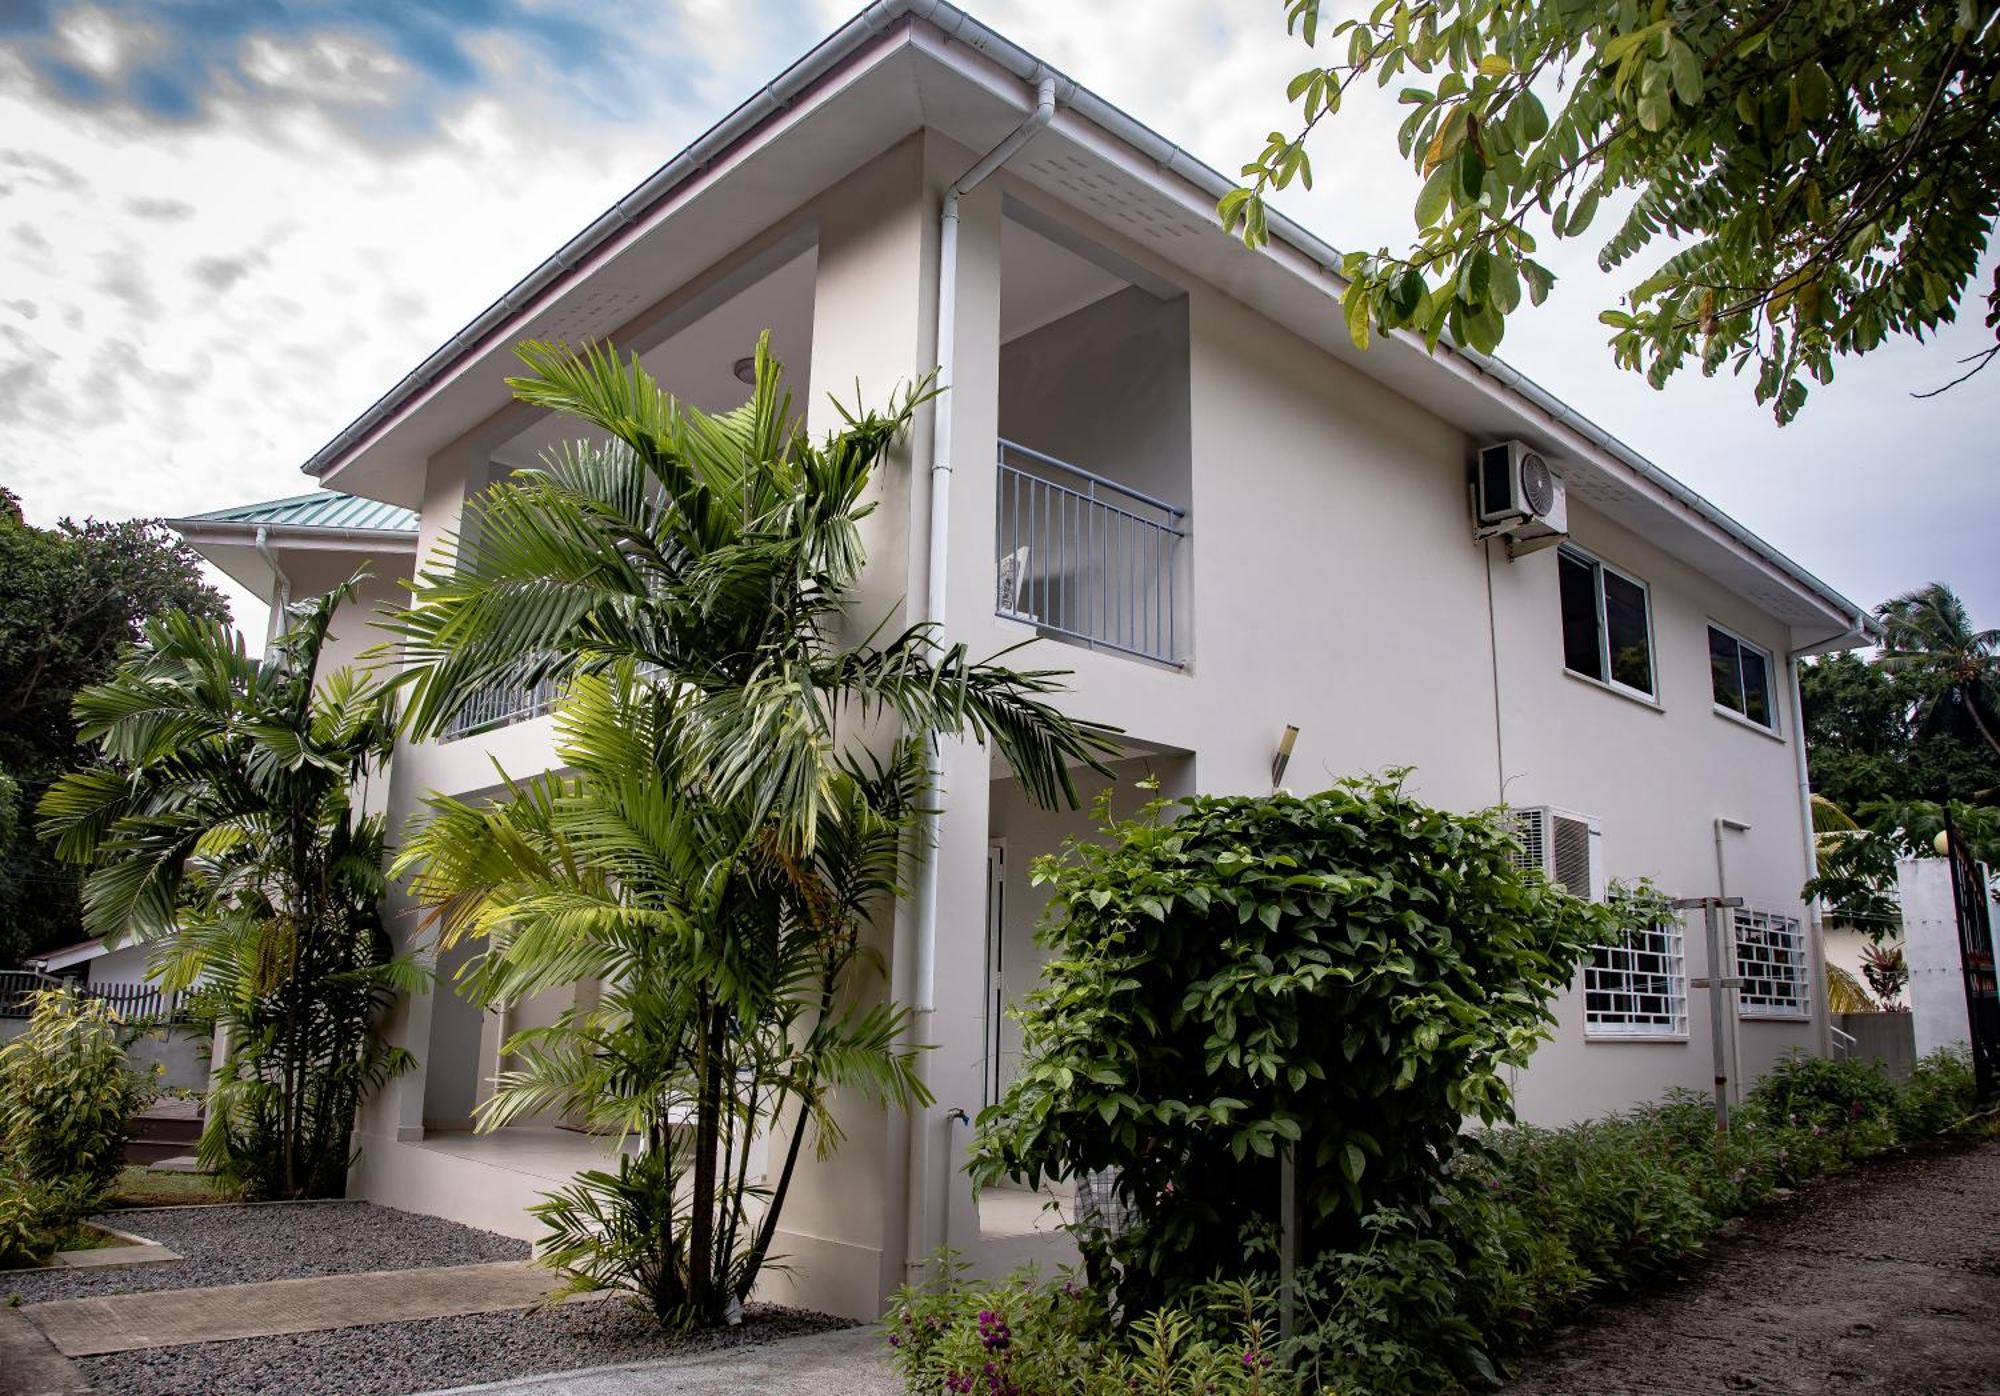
x=1435, y=197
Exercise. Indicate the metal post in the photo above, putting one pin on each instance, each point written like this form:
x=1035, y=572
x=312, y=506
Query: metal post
x=1718, y=985
x=1288, y=1242
x=1963, y=922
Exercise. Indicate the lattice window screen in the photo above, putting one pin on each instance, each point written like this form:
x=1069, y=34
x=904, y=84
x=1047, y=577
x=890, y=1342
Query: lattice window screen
x=1638, y=988
x=1770, y=954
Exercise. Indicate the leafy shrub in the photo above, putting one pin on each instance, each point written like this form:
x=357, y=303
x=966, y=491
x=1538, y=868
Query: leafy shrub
x=1023, y=1336
x=1526, y=1227
x=1349, y=972
x=1938, y=1098
x=67, y=1097
x=36, y=1217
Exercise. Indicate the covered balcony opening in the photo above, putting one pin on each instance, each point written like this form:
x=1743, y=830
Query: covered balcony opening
x=1091, y=528
x=1018, y=833
x=700, y=355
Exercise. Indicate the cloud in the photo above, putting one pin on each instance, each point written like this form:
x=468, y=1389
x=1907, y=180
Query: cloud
x=388, y=70
x=160, y=210
x=221, y=273
x=124, y=280
x=23, y=307
x=26, y=170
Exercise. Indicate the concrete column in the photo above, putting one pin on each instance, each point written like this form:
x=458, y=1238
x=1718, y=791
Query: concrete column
x=843, y=1228
x=397, y=1110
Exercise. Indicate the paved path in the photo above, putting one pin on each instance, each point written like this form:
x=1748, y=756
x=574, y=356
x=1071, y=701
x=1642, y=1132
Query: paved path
x=851, y=1362
x=172, y=1317
x=1884, y=1280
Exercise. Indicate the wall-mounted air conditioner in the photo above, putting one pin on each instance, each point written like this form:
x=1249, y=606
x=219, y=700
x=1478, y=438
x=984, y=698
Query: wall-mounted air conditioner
x=1564, y=845
x=1518, y=497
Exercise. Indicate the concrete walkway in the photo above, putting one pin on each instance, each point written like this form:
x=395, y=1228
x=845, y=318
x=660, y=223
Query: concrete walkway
x=172, y=1317
x=850, y=1362
x=1884, y=1280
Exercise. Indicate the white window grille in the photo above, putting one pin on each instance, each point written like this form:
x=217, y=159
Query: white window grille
x=1770, y=954
x=1638, y=987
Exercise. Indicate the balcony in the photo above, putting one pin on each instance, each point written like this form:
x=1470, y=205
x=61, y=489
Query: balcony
x=1087, y=560
x=500, y=705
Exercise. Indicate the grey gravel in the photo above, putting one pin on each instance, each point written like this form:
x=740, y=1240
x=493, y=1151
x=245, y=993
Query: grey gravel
x=393, y=1359
x=245, y=1245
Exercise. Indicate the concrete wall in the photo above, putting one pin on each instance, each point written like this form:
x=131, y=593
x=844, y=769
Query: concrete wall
x=1334, y=562
x=1106, y=388
x=1931, y=946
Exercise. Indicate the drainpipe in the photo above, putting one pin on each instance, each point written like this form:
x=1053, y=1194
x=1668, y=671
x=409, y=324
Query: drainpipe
x=937, y=574
x=1721, y=1002
x=280, y=612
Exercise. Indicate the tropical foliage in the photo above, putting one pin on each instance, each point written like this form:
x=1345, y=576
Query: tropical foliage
x=222, y=825
x=67, y=1098
x=1810, y=180
x=739, y=781
x=76, y=594
x=1893, y=741
x=1347, y=975
x=1929, y=635
x=68, y=1093
x=1444, y=1293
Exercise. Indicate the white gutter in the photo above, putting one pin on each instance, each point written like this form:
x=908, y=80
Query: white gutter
x=1167, y=159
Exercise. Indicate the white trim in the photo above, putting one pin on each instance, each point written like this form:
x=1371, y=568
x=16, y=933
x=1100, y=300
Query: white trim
x=1741, y=721
x=1776, y=727
x=1604, y=629
x=1616, y=690
x=1799, y=952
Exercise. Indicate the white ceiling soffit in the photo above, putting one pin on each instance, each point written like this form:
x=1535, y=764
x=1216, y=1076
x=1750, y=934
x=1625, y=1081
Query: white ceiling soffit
x=855, y=113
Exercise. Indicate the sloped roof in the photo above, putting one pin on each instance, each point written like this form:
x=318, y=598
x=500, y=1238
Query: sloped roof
x=320, y=509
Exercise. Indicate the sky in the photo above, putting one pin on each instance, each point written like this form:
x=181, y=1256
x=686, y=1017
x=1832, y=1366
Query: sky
x=227, y=227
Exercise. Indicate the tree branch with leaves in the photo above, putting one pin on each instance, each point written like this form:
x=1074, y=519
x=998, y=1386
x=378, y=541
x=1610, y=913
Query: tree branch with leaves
x=1814, y=178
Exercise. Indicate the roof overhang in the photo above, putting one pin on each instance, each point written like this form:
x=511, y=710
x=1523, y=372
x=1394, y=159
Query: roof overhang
x=315, y=556
x=901, y=66
x=69, y=956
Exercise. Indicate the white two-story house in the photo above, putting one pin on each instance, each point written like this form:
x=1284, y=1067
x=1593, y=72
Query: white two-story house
x=1160, y=454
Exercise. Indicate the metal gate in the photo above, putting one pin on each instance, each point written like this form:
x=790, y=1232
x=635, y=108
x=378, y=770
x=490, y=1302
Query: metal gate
x=1970, y=906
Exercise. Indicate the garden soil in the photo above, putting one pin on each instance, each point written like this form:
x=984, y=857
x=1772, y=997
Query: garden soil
x=1885, y=1279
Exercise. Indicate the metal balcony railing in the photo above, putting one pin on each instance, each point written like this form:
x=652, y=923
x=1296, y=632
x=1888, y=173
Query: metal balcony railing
x=498, y=705
x=1085, y=558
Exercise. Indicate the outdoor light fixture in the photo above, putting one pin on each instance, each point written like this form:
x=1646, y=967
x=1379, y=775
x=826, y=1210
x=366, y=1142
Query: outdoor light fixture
x=745, y=371
x=1283, y=758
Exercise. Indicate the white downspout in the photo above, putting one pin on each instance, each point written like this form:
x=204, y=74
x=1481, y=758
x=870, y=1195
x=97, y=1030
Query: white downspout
x=283, y=603
x=937, y=573
x=937, y=576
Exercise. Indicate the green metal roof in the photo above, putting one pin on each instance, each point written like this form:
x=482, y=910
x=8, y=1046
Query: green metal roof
x=320, y=509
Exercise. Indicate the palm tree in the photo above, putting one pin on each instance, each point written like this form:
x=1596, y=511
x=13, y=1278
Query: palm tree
x=221, y=824
x=1928, y=635
x=739, y=783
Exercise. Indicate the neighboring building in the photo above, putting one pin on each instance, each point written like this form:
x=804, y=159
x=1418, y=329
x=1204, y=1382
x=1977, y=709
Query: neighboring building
x=1170, y=462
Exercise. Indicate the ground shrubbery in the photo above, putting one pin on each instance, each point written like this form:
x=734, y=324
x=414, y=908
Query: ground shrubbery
x=1347, y=975
x=67, y=1098
x=1526, y=1228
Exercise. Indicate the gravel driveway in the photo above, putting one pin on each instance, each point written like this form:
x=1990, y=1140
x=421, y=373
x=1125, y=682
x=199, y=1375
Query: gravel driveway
x=391, y=1359
x=1884, y=1280
x=241, y=1245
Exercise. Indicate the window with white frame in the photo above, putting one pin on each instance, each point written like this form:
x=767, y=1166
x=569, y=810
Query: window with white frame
x=1637, y=986
x=1740, y=674
x=1770, y=954
x=1607, y=623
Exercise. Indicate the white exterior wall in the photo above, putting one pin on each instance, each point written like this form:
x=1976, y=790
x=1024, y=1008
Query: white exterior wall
x=1332, y=571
